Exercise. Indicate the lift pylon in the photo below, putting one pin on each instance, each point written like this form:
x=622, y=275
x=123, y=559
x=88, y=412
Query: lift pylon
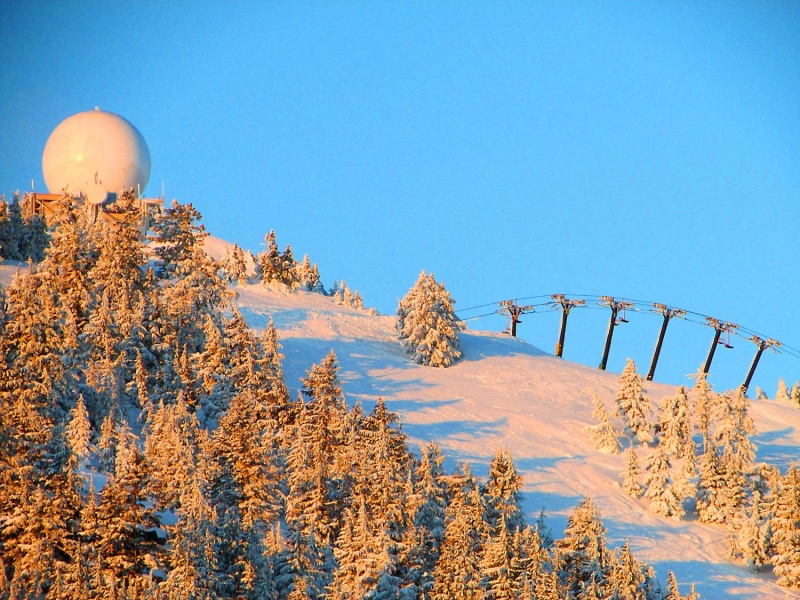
x=615, y=306
x=719, y=328
x=762, y=345
x=512, y=309
x=566, y=305
x=668, y=313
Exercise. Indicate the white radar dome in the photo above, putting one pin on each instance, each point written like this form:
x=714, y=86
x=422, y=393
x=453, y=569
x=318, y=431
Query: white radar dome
x=95, y=148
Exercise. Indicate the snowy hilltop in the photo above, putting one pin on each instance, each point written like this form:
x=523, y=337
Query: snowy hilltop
x=185, y=419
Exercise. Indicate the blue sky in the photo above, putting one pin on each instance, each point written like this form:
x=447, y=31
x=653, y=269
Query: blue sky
x=646, y=150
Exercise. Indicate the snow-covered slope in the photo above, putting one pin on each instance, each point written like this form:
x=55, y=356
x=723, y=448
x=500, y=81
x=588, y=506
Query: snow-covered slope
x=507, y=392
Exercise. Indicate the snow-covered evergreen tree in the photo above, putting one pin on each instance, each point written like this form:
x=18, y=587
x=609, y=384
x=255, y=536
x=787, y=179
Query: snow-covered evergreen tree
x=795, y=394
x=79, y=432
x=626, y=580
x=427, y=533
x=631, y=474
x=705, y=407
x=502, y=493
x=782, y=394
x=633, y=405
x=457, y=573
x=659, y=487
x=675, y=423
x=583, y=548
x=603, y=433
x=710, y=487
x=786, y=530
x=427, y=324
x=755, y=534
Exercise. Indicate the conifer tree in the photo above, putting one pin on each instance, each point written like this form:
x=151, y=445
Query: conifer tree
x=626, y=579
x=603, y=433
x=583, y=548
x=675, y=423
x=673, y=593
x=497, y=576
x=782, y=394
x=658, y=486
x=705, y=405
x=502, y=493
x=786, y=530
x=710, y=488
x=429, y=518
x=684, y=486
x=248, y=461
x=795, y=394
x=382, y=469
x=269, y=263
x=126, y=538
x=631, y=474
x=633, y=405
x=456, y=575
x=427, y=324
x=316, y=439
x=79, y=432
x=755, y=534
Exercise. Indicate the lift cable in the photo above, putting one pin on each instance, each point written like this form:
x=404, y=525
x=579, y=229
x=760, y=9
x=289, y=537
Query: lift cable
x=690, y=316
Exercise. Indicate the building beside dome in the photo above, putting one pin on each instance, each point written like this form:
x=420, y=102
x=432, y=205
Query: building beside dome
x=91, y=160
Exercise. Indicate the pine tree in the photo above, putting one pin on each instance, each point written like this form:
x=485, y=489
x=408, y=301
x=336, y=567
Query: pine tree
x=126, y=538
x=705, y=404
x=583, y=547
x=673, y=593
x=12, y=230
x=786, y=530
x=456, y=576
x=497, y=576
x=626, y=579
x=429, y=518
x=631, y=474
x=248, y=461
x=684, y=486
x=316, y=441
x=658, y=486
x=675, y=424
x=427, y=324
x=502, y=493
x=755, y=535
x=795, y=395
x=268, y=262
x=633, y=406
x=710, y=488
x=79, y=432
x=782, y=395
x=603, y=434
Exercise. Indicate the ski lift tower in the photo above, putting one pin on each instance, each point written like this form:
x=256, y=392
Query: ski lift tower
x=720, y=327
x=667, y=313
x=616, y=306
x=762, y=345
x=515, y=311
x=566, y=304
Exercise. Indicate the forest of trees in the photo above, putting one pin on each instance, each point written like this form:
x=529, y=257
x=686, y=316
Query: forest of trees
x=703, y=461
x=22, y=237
x=149, y=449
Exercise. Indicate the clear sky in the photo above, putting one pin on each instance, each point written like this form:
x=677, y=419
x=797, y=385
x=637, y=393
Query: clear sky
x=646, y=150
